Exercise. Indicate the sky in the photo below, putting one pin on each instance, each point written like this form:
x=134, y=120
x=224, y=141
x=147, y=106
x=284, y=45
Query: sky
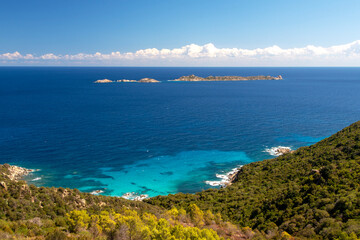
x=180, y=33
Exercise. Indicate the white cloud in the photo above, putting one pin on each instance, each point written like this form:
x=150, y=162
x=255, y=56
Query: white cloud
x=208, y=54
x=15, y=55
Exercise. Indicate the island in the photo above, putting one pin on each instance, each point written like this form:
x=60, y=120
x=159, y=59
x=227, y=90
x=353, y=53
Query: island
x=143, y=80
x=103, y=81
x=126, y=80
x=148, y=80
x=193, y=78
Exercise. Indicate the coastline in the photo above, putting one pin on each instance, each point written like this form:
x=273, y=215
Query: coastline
x=14, y=173
x=226, y=179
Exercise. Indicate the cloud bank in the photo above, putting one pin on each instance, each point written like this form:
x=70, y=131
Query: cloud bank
x=205, y=55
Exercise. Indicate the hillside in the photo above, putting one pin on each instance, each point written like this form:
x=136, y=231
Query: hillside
x=310, y=193
x=29, y=212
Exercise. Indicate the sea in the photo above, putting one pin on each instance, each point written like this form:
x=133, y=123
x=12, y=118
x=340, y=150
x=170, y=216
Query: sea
x=132, y=139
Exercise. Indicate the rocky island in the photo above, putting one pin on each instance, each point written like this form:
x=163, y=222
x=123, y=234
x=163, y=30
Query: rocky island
x=103, y=81
x=143, y=80
x=193, y=78
x=148, y=80
x=125, y=80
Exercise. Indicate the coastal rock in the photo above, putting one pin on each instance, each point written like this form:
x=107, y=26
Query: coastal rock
x=3, y=184
x=193, y=78
x=226, y=179
x=282, y=150
x=103, y=81
x=148, y=80
x=134, y=196
x=277, y=151
x=96, y=192
x=14, y=172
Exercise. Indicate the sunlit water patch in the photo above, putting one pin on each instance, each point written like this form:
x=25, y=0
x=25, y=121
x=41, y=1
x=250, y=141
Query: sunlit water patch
x=184, y=172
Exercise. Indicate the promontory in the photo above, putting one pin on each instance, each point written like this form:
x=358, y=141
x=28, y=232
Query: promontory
x=193, y=78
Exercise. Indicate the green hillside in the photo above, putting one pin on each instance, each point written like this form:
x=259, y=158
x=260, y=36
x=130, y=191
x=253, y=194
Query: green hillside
x=29, y=212
x=310, y=193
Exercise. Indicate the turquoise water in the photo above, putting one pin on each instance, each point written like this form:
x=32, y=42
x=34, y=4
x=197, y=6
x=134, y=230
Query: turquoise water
x=164, y=174
x=163, y=138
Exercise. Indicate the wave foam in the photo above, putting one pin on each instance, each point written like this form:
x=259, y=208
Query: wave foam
x=225, y=178
x=277, y=151
x=96, y=192
x=134, y=196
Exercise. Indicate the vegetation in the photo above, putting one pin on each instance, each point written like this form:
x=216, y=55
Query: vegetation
x=27, y=211
x=312, y=193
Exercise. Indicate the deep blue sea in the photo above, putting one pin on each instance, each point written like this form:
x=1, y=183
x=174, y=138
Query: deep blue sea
x=166, y=137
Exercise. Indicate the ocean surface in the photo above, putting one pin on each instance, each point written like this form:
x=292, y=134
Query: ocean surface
x=166, y=137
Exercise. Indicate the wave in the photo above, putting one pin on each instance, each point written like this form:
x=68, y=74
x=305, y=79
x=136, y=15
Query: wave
x=277, y=151
x=96, y=192
x=134, y=196
x=225, y=178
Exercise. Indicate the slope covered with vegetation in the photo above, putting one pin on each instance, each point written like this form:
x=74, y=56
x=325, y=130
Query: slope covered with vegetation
x=27, y=211
x=310, y=193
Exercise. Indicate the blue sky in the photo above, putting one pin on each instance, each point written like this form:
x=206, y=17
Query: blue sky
x=39, y=27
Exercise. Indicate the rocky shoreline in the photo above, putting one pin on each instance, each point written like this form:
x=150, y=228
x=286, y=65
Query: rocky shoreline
x=277, y=151
x=226, y=179
x=15, y=173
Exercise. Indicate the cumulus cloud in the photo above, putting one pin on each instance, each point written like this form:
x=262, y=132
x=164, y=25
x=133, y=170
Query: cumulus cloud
x=208, y=54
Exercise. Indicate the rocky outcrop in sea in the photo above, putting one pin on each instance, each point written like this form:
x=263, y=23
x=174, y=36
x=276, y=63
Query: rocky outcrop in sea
x=277, y=151
x=103, y=81
x=143, y=80
x=148, y=80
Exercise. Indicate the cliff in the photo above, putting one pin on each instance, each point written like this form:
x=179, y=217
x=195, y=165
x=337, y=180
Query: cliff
x=193, y=78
